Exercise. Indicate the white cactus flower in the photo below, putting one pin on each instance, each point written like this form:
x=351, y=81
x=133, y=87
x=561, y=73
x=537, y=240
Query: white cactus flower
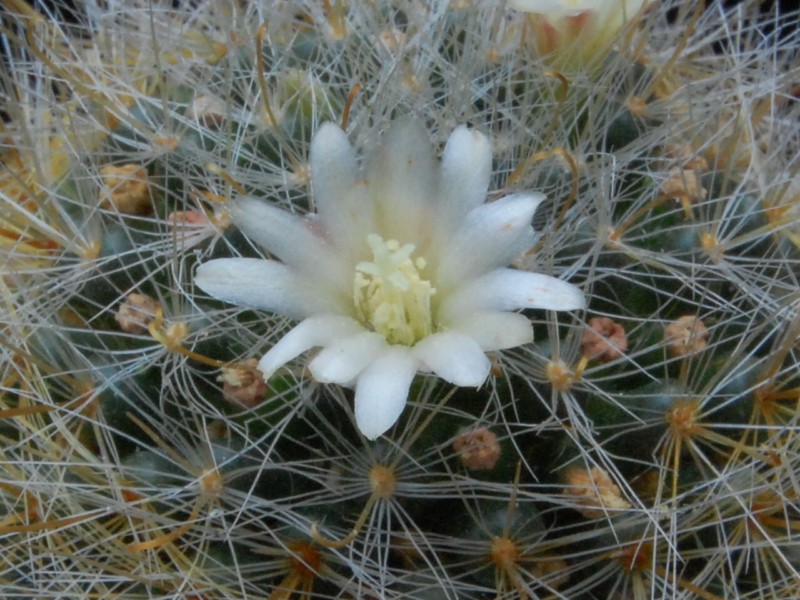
x=402, y=268
x=575, y=7
x=576, y=33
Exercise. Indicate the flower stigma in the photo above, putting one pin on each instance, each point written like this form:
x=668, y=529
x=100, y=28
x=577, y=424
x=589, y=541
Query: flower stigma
x=390, y=296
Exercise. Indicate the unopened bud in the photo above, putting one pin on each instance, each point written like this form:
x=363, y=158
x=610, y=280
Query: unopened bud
x=478, y=450
x=136, y=312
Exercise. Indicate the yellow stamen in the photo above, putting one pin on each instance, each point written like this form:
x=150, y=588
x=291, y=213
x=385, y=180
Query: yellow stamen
x=390, y=296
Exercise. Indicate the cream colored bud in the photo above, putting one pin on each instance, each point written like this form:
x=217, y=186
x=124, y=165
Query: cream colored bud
x=683, y=184
x=127, y=189
x=594, y=491
x=686, y=335
x=243, y=384
x=136, y=312
x=604, y=340
x=208, y=111
x=478, y=450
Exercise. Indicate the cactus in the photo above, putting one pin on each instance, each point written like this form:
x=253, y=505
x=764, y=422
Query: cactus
x=644, y=447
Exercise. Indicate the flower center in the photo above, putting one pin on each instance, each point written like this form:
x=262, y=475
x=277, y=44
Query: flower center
x=390, y=296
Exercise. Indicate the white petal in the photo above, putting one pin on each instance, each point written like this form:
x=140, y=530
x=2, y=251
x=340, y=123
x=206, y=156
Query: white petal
x=382, y=390
x=264, y=285
x=334, y=167
x=491, y=236
x=466, y=170
x=507, y=289
x=402, y=182
x=497, y=330
x=342, y=361
x=342, y=203
x=455, y=357
x=291, y=238
x=554, y=7
x=319, y=330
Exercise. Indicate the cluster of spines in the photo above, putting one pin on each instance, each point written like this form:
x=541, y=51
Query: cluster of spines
x=649, y=456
